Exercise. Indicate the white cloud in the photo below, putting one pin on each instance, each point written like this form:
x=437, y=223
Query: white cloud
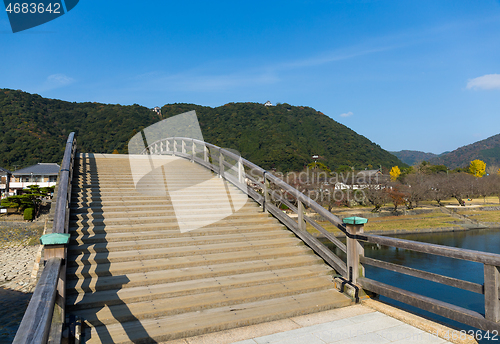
x=55, y=81
x=59, y=79
x=485, y=82
x=347, y=114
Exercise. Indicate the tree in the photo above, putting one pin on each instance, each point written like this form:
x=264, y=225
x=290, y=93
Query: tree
x=376, y=195
x=477, y=168
x=438, y=187
x=32, y=199
x=460, y=185
x=397, y=194
x=395, y=173
x=418, y=189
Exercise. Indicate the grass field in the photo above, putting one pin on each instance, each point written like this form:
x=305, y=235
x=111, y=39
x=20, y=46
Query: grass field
x=433, y=219
x=481, y=215
x=399, y=223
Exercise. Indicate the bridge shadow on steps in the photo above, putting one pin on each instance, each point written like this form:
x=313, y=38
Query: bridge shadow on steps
x=94, y=283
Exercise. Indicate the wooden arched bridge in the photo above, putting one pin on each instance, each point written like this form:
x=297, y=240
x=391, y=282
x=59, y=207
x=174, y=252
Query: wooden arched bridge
x=187, y=239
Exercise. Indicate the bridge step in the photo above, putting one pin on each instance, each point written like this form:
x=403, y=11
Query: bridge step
x=117, y=268
x=90, y=236
x=172, y=229
x=181, y=304
x=180, y=251
x=133, y=276
x=141, y=243
x=98, y=283
x=217, y=319
x=235, y=223
x=182, y=288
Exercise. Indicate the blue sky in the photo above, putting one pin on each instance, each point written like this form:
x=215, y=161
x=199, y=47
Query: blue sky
x=420, y=75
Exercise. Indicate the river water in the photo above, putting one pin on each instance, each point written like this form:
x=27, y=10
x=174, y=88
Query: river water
x=481, y=240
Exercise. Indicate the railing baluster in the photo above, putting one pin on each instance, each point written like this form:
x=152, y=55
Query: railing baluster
x=193, y=151
x=266, y=192
x=221, y=164
x=241, y=171
x=300, y=213
x=183, y=143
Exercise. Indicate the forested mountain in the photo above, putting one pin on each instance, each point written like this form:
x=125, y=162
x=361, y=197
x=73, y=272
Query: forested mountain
x=33, y=129
x=487, y=150
x=413, y=157
x=284, y=136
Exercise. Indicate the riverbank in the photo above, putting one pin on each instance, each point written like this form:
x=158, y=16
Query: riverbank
x=19, y=266
x=425, y=219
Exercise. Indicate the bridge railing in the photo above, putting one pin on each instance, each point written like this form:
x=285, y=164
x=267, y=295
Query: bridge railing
x=490, y=288
x=265, y=188
x=269, y=190
x=44, y=318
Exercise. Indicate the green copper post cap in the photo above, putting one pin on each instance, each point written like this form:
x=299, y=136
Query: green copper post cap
x=354, y=220
x=55, y=239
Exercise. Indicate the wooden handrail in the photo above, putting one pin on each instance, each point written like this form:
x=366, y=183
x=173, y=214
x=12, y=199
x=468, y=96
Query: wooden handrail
x=438, y=250
x=35, y=326
x=44, y=316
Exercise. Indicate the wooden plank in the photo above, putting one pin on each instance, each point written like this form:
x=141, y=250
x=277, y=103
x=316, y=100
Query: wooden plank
x=491, y=284
x=462, y=315
x=439, y=250
x=453, y=282
x=36, y=322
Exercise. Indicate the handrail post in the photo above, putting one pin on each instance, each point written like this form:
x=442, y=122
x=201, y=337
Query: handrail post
x=193, y=151
x=491, y=295
x=266, y=192
x=183, y=143
x=300, y=212
x=241, y=171
x=355, y=226
x=175, y=146
x=205, y=154
x=221, y=164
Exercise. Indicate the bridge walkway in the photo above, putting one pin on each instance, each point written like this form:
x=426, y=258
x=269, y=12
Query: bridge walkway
x=136, y=274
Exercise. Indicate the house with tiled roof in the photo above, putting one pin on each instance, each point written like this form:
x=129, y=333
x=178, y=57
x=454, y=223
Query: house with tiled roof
x=41, y=174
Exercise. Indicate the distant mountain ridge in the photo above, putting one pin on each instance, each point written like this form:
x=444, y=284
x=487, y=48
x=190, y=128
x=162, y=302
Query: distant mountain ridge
x=487, y=150
x=411, y=157
x=285, y=137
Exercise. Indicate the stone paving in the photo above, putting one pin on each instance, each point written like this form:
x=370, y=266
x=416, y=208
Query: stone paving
x=366, y=328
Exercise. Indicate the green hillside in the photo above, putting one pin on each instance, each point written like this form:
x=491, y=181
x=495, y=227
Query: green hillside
x=33, y=129
x=284, y=136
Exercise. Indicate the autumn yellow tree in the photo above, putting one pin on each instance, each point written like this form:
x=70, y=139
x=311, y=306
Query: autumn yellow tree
x=395, y=172
x=477, y=168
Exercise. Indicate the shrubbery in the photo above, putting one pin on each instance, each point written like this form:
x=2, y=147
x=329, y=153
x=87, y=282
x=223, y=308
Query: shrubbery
x=28, y=214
